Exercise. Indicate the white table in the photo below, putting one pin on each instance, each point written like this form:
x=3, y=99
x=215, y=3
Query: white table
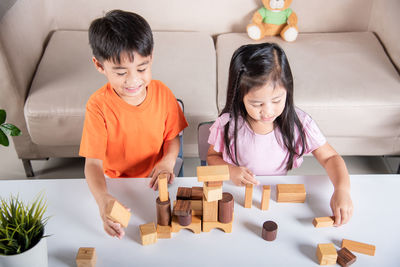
x=75, y=223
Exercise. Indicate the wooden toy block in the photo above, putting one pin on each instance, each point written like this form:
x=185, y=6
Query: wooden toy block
x=86, y=257
x=197, y=193
x=225, y=208
x=184, y=193
x=197, y=204
x=266, y=194
x=212, y=193
x=326, y=254
x=163, y=187
x=210, y=211
x=212, y=173
x=163, y=231
x=345, y=257
x=226, y=227
x=323, y=221
x=148, y=233
x=182, y=208
x=292, y=193
x=185, y=220
x=118, y=213
x=214, y=184
x=163, y=212
x=269, y=231
x=195, y=226
x=197, y=212
x=359, y=247
x=248, y=196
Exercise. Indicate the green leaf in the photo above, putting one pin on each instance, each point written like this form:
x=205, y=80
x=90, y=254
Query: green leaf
x=3, y=138
x=3, y=116
x=10, y=129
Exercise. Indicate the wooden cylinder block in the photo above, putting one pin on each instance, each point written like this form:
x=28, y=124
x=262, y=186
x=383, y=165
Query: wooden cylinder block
x=225, y=208
x=185, y=220
x=269, y=230
x=163, y=212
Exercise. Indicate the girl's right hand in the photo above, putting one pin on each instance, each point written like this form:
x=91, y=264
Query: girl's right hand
x=242, y=176
x=114, y=229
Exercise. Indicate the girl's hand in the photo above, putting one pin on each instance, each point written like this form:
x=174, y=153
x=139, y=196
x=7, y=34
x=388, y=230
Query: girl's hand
x=342, y=206
x=162, y=166
x=114, y=229
x=242, y=176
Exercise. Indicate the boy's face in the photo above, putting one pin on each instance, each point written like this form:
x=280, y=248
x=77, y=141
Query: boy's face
x=128, y=79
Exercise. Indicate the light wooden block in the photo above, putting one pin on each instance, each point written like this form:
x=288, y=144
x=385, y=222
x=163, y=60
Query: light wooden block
x=196, y=205
x=86, y=257
x=212, y=173
x=163, y=187
x=323, y=221
x=359, y=247
x=163, y=231
x=226, y=227
x=326, y=254
x=210, y=211
x=248, y=196
x=197, y=212
x=148, y=233
x=195, y=226
x=292, y=193
x=212, y=193
x=266, y=194
x=118, y=213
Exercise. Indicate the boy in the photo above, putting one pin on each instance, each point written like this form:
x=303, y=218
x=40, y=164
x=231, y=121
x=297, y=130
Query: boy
x=131, y=123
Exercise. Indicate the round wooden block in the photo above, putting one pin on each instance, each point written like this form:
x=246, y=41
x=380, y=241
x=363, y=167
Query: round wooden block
x=269, y=230
x=225, y=208
x=163, y=212
x=185, y=220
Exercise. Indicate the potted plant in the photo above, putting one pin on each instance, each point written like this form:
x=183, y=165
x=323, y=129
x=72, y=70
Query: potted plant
x=22, y=241
x=6, y=129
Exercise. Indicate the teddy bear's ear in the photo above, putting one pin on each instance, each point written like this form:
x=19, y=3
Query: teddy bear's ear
x=266, y=4
x=287, y=4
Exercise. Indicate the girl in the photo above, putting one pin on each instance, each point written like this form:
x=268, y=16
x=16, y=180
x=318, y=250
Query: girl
x=261, y=132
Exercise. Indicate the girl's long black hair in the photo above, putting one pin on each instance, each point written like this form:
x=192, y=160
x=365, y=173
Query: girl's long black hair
x=253, y=66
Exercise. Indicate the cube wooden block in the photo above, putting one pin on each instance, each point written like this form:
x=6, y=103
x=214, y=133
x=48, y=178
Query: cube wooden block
x=148, y=233
x=248, y=196
x=212, y=173
x=358, y=247
x=345, y=257
x=163, y=187
x=323, y=221
x=210, y=211
x=226, y=227
x=163, y=231
x=118, y=213
x=292, y=193
x=326, y=254
x=212, y=193
x=197, y=193
x=86, y=257
x=184, y=193
x=266, y=194
x=195, y=226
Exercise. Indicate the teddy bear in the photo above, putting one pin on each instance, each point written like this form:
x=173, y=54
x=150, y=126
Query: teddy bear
x=274, y=18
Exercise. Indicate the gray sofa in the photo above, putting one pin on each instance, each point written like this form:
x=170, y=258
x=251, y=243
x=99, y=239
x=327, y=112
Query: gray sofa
x=345, y=63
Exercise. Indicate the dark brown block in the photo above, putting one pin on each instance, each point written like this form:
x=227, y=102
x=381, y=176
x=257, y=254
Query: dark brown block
x=225, y=208
x=185, y=220
x=345, y=257
x=269, y=230
x=182, y=208
x=163, y=212
x=184, y=193
x=214, y=184
x=197, y=193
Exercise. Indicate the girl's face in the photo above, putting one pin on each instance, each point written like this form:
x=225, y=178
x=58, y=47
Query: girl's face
x=263, y=105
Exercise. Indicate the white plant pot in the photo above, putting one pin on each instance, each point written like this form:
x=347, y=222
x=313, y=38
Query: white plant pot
x=34, y=257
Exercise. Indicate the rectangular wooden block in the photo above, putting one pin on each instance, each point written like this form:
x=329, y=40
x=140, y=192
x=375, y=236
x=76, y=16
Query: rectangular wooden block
x=117, y=213
x=184, y=193
x=163, y=231
x=248, y=196
x=197, y=193
x=293, y=193
x=266, y=194
x=326, y=254
x=212, y=193
x=345, y=257
x=358, y=247
x=226, y=227
x=182, y=208
x=86, y=257
x=212, y=173
x=163, y=187
x=210, y=211
x=148, y=233
x=323, y=221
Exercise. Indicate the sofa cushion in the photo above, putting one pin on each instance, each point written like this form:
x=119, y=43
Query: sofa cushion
x=344, y=81
x=66, y=77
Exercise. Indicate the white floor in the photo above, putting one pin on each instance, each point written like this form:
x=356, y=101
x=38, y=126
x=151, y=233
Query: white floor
x=58, y=168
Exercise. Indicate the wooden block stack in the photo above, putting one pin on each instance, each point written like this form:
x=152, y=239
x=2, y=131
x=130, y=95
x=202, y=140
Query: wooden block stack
x=86, y=257
x=291, y=193
x=163, y=205
x=326, y=254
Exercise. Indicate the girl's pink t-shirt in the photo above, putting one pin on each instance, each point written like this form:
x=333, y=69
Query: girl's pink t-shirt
x=264, y=154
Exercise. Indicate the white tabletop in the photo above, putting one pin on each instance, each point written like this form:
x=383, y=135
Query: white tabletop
x=75, y=223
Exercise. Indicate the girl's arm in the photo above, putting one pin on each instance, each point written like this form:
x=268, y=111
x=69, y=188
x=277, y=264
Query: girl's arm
x=341, y=203
x=238, y=175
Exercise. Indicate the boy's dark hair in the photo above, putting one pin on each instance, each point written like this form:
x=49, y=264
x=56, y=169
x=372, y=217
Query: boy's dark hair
x=253, y=66
x=120, y=31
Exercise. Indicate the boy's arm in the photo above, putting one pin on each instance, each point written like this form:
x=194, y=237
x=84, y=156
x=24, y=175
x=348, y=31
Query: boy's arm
x=341, y=203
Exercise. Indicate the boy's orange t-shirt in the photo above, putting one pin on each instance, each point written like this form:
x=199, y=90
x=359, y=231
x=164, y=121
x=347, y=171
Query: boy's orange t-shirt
x=129, y=139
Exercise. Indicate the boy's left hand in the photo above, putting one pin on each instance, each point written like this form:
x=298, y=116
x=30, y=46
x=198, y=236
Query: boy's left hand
x=342, y=206
x=161, y=167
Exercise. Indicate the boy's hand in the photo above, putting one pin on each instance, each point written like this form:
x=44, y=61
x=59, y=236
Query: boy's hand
x=114, y=229
x=242, y=176
x=342, y=206
x=162, y=166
